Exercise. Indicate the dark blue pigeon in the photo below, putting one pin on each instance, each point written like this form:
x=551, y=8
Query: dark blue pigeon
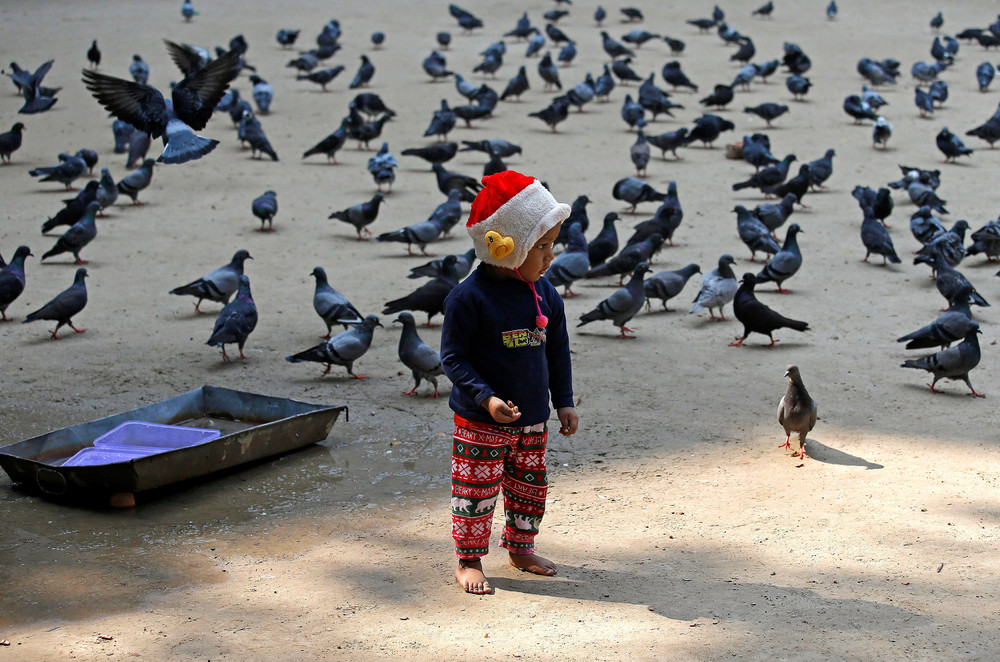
x=365, y=72
x=753, y=233
x=435, y=268
x=951, y=145
x=12, y=280
x=265, y=207
x=263, y=94
x=669, y=141
x=442, y=122
x=73, y=208
x=923, y=101
x=434, y=65
x=625, y=262
x=421, y=233
x=876, y=238
x=549, y=72
x=986, y=240
x=251, y=131
x=554, y=113
x=64, y=306
x=674, y=77
x=774, y=214
x=236, y=321
x=950, y=244
x=798, y=86
x=429, y=297
x=535, y=43
x=323, y=77
x=785, y=262
x=516, y=86
x=614, y=49
x=951, y=283
x=604, y=84
x=78, y=236
x=633, y=191
x=68, y=170
x=436, y=153
x=881, y=132
x=329, y=146
x=984, y=75
x=605, y=244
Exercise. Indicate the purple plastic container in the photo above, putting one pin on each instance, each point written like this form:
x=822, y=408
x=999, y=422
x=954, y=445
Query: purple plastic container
x=155, y=435
x=109, y=455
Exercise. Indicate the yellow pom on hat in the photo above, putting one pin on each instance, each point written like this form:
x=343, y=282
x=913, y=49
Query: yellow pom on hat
x=508, y=216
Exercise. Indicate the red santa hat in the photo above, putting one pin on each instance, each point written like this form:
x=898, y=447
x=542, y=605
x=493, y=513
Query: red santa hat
x=509, y=215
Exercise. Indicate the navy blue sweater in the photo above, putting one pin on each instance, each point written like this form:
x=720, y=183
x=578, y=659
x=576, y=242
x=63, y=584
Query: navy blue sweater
x=489, y=346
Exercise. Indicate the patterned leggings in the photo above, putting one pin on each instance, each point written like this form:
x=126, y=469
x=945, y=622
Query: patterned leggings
x=486, y=458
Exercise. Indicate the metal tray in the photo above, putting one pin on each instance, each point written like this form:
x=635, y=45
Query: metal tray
x=253, y=427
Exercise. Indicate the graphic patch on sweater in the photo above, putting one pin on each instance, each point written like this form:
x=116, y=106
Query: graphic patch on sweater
x=523, y=338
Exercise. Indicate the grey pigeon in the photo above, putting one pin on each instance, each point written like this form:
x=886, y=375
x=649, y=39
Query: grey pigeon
x=442, y=122
x=217, y=285
x=70, y=168
x=549, y=72
x=767, y=111
x=332, y=306
x=74, y=207
x=625, y=262
x=938, y=92
x=796, y=411
x=718, y=287
x=10, y=141
x=78, y=236
x=448, y=181
x=423, y=360
x=876, y=238
x=785, y=263
x=263, y=94
x=436, y=153
x=265, y=207
x=64, y=306
x=465, y=88
x=951, y=244
x=951, y=145
x=821, y=169
x=798, y=86
x=632, y=112
x=674, y=77
x=329, y=146
x=364, y=75
x=604, y=84
x=950, y=326
x=639, y=153
x=502, y=147
x=774, y=214
x=361, y=214
x=192, y=102
x=623, y=304
x=633, y=191
x=554, y=113
x=984, y=75
x=12, y=280
x=107, y=191
x=236, y=321
x=952, y=284
x=322, y=77
x=925, y=226
x=881, y=132
x=136, y=181
x=623, y=71
x=669, y=141
x=923, y=102
x=665, y=221
x=536, y=42
x=435, y=66
x=461, y=267
x=952, y=363
x=430, y=296
x=665, y=285
x=707, y=129
x=424, y=232
x=988, y=131
x=754, y=234
x=769, y=176
x=287, y=37
x=757, y=151
x=253, y=133
x=37, y=98
x=757, y=317
x=570, y=265
x=986, y=240
x=343, y=349
x=613, y=48
x=516, y=86
x=382, y=166
x=138, y=145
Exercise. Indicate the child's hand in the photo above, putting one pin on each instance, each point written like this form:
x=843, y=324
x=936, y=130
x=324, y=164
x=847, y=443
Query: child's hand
x=568, y=420
x=502, y=412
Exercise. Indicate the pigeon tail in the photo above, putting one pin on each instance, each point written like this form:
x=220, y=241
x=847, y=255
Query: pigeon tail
x=186, y=147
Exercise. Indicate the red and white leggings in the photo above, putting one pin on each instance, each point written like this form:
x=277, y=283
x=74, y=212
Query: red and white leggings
x=484, y=459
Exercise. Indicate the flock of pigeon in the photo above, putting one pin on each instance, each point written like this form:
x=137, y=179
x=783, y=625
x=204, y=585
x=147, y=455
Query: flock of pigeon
x=207, y=90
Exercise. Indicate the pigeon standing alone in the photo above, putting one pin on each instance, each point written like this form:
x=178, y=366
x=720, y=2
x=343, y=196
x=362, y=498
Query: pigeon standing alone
x=796, y=411
x=265, y=207
x=10, y=141
x=12, y=280
x=361, y=214
x=236, y=321
x=423, y=360
x=217, y=285
x=64, y=306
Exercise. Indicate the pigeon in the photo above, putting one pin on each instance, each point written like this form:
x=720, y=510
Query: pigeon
x=923, y=101
x=665, y=285
x=64, y=306
x=821, y=169
x=447, y=181
x=434, y=268
x=254, y=134
x=703, y=24
x=10, y=141
x=676, y=45
x=382, y=166
x=66, y=172
x=639, y=37
x=522, y=29
x=951, y=145
x=263, y=94
x=430, y=296
x=78, y=236
x=757, y=317
x=332, y=306
x=555, y=34
x=265, y=207
x=605, y=244
x=323, y=76
x=718, y=287
x=707, y=129
x=577, y=216
x=554, y=113
x=633, y=191
x=423, y=360
x=785, y=262
x=219, y=284
x=625, y=262
x=443, y=38
x=442, y=122
x=674, y=77
x=502, y=147
x=600, y=15
x=37, y=98
x=669, y=141
x=122, y=132
x=876, y=238
x=858, y=109
x=665, y=221
x=138, y=145
x=436, y=153
x=798, y=86
x=753, y=233
x=632, y=112
x=570, y=265
x=881, y=132
x=287, y=37
x=984, y=75
x=875, y=73
x=773, y=215
x=567, y=53
x=12, y=280
x=938, y=92
x=831, y=10
x=549, y=72
x=378, y=38
x=365, y=72
x=937, y=21
x=872, y=98
x=720, y=96
x=107, y=190
x=764, y=10
x=924, y=195
x=632, y=14
x=136, y=181
x=745, y=76
x=927, y=72
x=952, y=363
x=614, y=49
x=988, y=131
x=425, y=232
x=745, y=52
x=951, y=283
x=799, y=185
x=490, y=64
x=950, y=244
x=74, y=207
x=767, y=111
x=986, y=240
x=604, y=84
x=192, y=102
x=623, y=303
x=94, y=55
x=655, y=100
x=305, y=62
x=624, y=72
x=329, y=146
x=950, y=326
x=757, y=151
x=796, y=411
x=343, y=349
x=236, y=321
x=535, y=43
x=361, y=214
x=639, y=153
x=768, y=177
x=188, y=11
x=925, y=226
x=516, y=86
x=436, y=67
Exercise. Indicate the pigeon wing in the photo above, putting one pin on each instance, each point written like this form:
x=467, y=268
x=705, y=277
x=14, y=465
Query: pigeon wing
x=196, y=96
x=142, y=106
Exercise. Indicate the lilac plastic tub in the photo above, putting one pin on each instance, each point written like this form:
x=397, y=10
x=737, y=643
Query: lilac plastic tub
x=109, y=455
x=154, y=435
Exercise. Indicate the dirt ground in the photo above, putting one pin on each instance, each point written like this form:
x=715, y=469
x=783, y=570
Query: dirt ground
x=680, y=529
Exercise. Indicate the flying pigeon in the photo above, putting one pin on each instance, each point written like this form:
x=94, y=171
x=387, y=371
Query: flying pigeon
x=219, y=284
x=64, y=306
x=236, y=321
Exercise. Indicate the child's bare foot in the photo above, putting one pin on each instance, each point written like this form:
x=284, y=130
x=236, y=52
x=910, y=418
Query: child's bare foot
x=469, y=574
x=533, y=563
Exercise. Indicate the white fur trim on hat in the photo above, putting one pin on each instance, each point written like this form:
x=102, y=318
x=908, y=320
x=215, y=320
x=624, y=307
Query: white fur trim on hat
x=516, y=225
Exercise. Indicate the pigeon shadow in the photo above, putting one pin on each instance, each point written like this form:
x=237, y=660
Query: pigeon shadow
x=949, y=393
x=823, y=453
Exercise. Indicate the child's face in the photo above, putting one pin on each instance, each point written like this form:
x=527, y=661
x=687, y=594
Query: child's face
x=540, y=256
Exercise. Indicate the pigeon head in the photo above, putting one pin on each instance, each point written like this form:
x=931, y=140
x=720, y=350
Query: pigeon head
x=726, y=259
x=749, y=279
x=406, y=319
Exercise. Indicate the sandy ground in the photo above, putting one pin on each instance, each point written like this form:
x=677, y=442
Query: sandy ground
x=680, y=529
